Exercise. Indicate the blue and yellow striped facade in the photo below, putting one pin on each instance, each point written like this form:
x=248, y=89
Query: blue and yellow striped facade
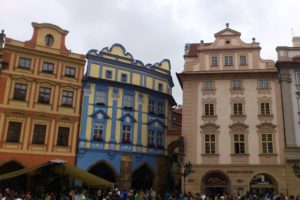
x=117, y=94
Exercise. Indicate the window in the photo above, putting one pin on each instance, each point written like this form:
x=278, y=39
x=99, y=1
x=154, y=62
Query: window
x=108, y=74
x=127, y=101
x=267, y=143
x=265, y=108
x=151, y=138
x=298, y=78
x=14, y=132
x=100, y=97
x=48, y=67
x=210, y=144
x=228, y=60
x=20, y=91
x=236, y=84
x=160, y=139
x=151, y=106
x=208, y=85
x=124, y=77
x=24, y=63
x=44, y=95
x=63, y=136
x=39, y=134
x=209, y=109
x=243, y=60
x=237, y=109
x=70, y=72
x=263, y=84
x=160, y=108
x=214, y=61
x=67, y=98
x=239, y=143
x=49, y=40
x=98, y=132
x=126, y=131
x=160, y=87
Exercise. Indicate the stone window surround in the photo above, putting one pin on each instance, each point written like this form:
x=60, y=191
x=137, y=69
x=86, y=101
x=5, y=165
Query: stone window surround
x=233, y=60
x=45, y=85
x=237, y=100
x=15, y=118
x=40, y=122
x=239, y=128
x=20, y=81
x=208, y=91
x=266, y=128
x=68, y=89
x=247, y=61
x=210, y=60
x=265, y=99
x=209, y=101
x=210, y=129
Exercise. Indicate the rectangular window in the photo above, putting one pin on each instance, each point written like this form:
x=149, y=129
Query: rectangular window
x=70, y=72
x=39, y=134
x=63, y=136
x=100, y=97
x=160, y=108
x=124, y=77
x=24, y=63
x=236, y=84
x=151, y=106
x=151, y=138
x=208, y=85
x=298, y=78
x=98, y=132
x=108, y=74
x=127, y=101
x=210, y=144
x=14, y=132
x=239, y=143
x=160, y=87
x=159, y=139
x=48, y=67
x=67, y=98
x=44, y=95
x=237, y=109
x=209, y=109
x=263, y=84
x=126, y=131
x=243, y=60
x=265, y=109
x=214, y=61
x=267, y=143
x=228, y=60
x=20, y=91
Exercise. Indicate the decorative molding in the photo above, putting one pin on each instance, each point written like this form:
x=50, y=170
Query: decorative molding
x=209, y=118
x=266, y=128
x=238, y=128
x=264, y=90
x=238, y=118
x=237, y=91
x=209, y=92
x=265, y=118
x=209, y=128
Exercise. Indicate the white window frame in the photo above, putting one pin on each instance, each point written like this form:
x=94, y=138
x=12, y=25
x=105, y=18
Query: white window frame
x=214, y=61
x=263, y=84
x=208, y=84
x=246, y=60
x=228, y=61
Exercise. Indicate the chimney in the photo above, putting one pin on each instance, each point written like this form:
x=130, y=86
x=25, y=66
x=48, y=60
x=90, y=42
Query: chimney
x=296, y=41
x=2, y=39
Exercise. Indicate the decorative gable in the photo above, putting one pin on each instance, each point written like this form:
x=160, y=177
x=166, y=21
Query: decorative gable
x=128, y=118
x=100, y=115
x=156, y=123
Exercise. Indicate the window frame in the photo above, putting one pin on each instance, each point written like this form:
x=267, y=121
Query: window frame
x=265, y=143
x=151, y=138
x=68, y=71
x=208, y=85
x=238, y=108
x=66, y=99
x=263, y=84
x=98, y=128
x=14, y=126
x=264, y=109
x=27, y=62
x=48, y=67
x=235, y=86
x=227, y=62
x=100, y=95
x=126, y=133
x=209, y=109
x=210, y=144
x=128, y=101
x=108, y=74
x=151, y=106
x=237, y=143
x=38, y=134
x=212, y=61
x=17, y=95
x=124, y=77
x=63, y=141
x=42, y=95
x=246, y=60
x=297, y=78
x=160, y=108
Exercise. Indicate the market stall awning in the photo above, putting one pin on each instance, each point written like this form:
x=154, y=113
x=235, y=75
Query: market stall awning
x=73, y=171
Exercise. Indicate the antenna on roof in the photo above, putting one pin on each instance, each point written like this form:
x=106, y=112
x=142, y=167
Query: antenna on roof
x=227, y=25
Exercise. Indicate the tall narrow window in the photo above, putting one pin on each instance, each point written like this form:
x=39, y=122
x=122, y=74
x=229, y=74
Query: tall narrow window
x=24, y=63
x=39, y=134
x=160, y=139
x=44, y=95
x=265, y=109
x=67, y=98
x=70, y=71
x=243, y=60
x=48, y=67
x=210, y=144
x=20, y=91
x=208, y=85
x=228, y=60
x=108, y=74
x=151, y=134
x=128, y=101
x=236, y=84
x=267, y=143
x=209, y=109
x=98, y=132
x=126, y=131
x=239, y=143
x=151, y=106
x=14, y=132
x=263, y=84
x=160, y=87
x=100, y=97
x=63, y=136
x=124, y=78
x=160, y=108
x=237, y=109
x=214, y=61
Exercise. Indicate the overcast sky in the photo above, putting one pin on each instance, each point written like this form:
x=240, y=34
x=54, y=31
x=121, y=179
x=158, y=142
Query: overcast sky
x=152, y=30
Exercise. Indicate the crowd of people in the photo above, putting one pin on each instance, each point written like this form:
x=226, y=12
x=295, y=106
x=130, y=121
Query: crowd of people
x=150, y=194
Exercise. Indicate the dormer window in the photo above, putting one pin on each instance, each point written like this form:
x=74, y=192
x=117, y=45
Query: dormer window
x=228, y=60
x=49, y=40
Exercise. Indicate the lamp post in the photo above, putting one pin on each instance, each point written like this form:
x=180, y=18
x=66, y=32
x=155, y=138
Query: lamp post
x=187, y=169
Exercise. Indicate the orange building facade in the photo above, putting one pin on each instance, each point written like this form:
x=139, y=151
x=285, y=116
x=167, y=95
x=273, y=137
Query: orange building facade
x=40, y=98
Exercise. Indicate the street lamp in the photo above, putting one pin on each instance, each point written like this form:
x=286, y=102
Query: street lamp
x=187, y=169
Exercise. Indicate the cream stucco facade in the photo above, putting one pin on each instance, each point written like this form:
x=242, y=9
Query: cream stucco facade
x=232, y=118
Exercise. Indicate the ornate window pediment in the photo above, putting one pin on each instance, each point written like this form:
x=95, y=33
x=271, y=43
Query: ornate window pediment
x=210, y=128
x=156, y=123
x=100, y=115
x=266, y=128
x=128, y=118
x=239, y=128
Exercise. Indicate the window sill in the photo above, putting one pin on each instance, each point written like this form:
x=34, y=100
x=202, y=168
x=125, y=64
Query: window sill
x=240, y=155
x=208, y=91
x=209, y=117
x=69, y=76
x=210, y=155
x=48, y=72
x=44, y=103
x=24, y=68
x=268, y=154
x=229, y=65
x=238, y=117
x=67, y=106
x=265, y=117
x=38, y=145
x=214, y=65
x=236, y=91
x=20, y=100
x=100, y=104
x=263, y=90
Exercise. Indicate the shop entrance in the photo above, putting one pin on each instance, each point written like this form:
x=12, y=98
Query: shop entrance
x=262, y=184
x=142, y=178
x=216, y=184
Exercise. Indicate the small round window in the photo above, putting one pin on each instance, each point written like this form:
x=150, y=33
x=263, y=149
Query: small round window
x=49, y=40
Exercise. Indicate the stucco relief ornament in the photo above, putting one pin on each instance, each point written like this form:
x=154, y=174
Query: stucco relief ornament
x=238, y=127
x=127, y=120
x=100, y=116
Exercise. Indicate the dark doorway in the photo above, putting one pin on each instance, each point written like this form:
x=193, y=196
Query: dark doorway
x=262, y=184
x=216, y=184
x=103, y=170
x=17, y=183
x=142, y=178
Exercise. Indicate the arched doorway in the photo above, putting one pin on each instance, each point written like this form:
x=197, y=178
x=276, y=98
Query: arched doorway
x=142, y=178
x=262, y=184
x=103, y=170
x=215, y=183
x=19, y=183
